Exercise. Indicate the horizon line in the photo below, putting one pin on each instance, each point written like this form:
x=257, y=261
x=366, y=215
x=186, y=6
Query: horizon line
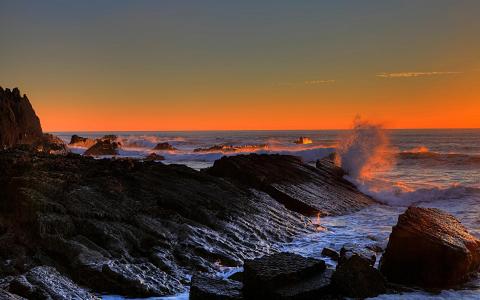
x=238, y=130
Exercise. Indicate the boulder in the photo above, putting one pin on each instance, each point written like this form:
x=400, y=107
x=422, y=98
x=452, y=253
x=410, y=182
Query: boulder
x=207, y=287
x=263, y=276
x=430, y=248
x=355, y=277
x=300, y=187
x=78, y=141
x=102, y=147
x=18, y=122
x=315, y=287
x=164, y=146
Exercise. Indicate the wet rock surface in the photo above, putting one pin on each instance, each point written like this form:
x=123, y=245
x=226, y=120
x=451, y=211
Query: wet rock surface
x=356, y=277
x=103, y=147
x=78, y=141
x=18, y=122
x=46, y=283
x=300, y=187
x=154, y=157
x=129, y=227
x=430, y=248
x=264, y=276
x=207, y=287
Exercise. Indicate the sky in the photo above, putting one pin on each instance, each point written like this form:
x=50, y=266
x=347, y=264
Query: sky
x=243, y=65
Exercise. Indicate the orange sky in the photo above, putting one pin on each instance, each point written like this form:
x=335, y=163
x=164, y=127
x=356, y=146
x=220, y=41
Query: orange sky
x=142, y=65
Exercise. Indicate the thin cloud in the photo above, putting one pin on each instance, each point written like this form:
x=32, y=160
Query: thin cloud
x=322, y=81
x=413, y=74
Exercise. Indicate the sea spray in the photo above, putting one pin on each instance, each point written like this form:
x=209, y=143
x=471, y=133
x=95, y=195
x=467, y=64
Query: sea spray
x=364, y=151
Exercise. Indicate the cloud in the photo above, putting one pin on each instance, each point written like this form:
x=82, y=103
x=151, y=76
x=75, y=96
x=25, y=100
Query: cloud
x=311, y=82
x=413, y=74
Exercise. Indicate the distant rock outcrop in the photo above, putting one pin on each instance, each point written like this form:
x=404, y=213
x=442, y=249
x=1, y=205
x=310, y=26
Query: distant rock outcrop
x=303, y=140
x=164, y=146
x=103, y=147
x=298, y=186
x=430, y=248
x=78, y=141
x=18, y=122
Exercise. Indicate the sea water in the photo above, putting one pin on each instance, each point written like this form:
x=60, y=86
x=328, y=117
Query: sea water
x=430, y=168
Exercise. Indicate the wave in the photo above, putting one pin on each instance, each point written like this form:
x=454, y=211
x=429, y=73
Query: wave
x=433, y=158
x=399, y=194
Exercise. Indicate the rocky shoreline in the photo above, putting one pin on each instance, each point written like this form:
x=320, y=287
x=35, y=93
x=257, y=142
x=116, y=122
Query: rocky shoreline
x=73, y=227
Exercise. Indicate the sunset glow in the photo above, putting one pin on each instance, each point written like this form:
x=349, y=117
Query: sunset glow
x=199, y=66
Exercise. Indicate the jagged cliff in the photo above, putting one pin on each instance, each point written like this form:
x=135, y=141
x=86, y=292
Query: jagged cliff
x=18, y=122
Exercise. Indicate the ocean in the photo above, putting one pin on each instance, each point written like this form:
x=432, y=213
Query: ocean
x=425, y=167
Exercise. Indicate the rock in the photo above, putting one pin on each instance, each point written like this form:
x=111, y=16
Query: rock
x=315, y=287
x=4, y=295
x=102, y=147
x=368, y=255
x=298, y=186
x=231, y=148
x=303, y=140
x=263, y=276
x=430, y=248
x=205, y=287
x=18, y=122
x=154, y=157
x=328, y=252
x=236, y=276
x=164, y=146
x=78, y=141
x=356, y=277
x=51, y=144
x=130, y=227
x=46, y=283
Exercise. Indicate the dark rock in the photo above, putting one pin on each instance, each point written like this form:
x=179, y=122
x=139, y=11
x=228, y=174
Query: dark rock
x=356, y=277
x=78, y=141
x=368, y=255
x=164, y=146
x=47, y=283
x=130, y=227
x=236, y=276
x=51, y=144
x=303, y=140
x=102, y=147
x=18, y=122
x=328, y=252
x=315, y=287
x=300, y=187
x=154, y=157
x=207, y=287
x=4, y=295
x=263, y=276
x=430, y=248
x=231, y=148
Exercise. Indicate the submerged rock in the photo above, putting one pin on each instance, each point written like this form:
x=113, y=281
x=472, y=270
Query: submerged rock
x=207, y=287
x=164, y=146
x=430, y=248
x=102, y=147
x=298, y=186
x=18, y=122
